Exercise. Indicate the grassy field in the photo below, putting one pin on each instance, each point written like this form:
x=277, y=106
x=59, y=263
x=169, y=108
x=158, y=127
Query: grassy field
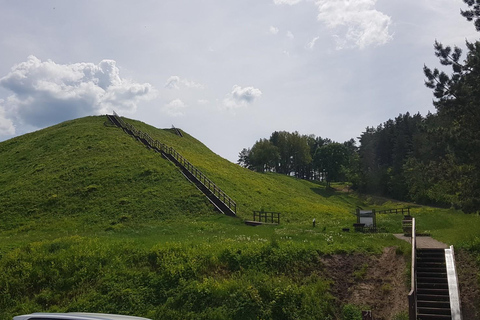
x=91, y=220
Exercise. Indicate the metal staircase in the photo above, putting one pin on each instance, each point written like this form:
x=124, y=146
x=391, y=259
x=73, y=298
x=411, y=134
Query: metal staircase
x=434, y=293
x=433, y=298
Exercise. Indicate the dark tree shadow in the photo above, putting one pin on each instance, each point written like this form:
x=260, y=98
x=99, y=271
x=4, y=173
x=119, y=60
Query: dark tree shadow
x=324, y=192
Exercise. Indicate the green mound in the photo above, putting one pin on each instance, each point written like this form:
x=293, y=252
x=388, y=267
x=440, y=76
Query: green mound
x=89, y=175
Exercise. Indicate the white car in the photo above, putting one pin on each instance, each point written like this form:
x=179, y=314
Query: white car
x=76, y=316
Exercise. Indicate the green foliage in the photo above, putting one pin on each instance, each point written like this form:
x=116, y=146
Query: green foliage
x=401, y=316
x=331, y=158
x=432, y=160
x=360, y=273
x=75, y=274
x=351, y=312
x=264, y=156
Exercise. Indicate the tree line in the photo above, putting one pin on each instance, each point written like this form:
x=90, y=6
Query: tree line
x=302, y=156
x=430, y=160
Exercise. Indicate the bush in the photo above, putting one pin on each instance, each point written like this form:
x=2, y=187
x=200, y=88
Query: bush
x=351, y=312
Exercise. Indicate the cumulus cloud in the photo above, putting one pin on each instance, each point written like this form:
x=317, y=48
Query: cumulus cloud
x=174, y=82
x=289, y=2
x=290, y=35
x=6, y=125
x=273, y=30
x=311, y=44
x=360, y=23
x=175, y=108
x=241, y=97
x=45, y=93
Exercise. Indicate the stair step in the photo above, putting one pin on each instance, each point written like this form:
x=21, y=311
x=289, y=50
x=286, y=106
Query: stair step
x=428, y=274
x=430, y=285
x=430, y=250
x=431, y=257
x=440, y=311
x=428, y=254
x=439, y=260
x=430, y=266
x=432, y=316
x=432, y=304
x=434, y=291
x=431, y=280
x=433, y=297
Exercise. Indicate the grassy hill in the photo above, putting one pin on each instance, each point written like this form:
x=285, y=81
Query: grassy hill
x=91, y=220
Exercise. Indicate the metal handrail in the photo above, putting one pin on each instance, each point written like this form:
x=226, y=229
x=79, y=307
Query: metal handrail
x=412, y=296
x=207, y=183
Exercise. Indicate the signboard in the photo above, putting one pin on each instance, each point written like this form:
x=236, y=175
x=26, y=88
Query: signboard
x=368, y=221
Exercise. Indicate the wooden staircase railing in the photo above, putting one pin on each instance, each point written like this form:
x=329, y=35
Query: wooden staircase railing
x=220, y=199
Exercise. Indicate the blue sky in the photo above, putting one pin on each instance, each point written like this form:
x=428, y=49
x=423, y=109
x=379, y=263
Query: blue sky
x=228, y=72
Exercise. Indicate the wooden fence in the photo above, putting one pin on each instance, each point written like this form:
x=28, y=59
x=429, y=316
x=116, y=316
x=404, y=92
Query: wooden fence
x=266, y=216
x=404, y=211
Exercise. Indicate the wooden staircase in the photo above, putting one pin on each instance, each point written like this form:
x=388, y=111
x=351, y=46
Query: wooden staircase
x=217, y=197
x=433, y=300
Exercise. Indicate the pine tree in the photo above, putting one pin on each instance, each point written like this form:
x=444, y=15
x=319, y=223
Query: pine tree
x=457, y=100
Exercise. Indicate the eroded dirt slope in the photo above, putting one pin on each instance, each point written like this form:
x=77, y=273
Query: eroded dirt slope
x=380, y=283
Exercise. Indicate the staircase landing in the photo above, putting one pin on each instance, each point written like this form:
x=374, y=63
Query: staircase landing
x=423, y=242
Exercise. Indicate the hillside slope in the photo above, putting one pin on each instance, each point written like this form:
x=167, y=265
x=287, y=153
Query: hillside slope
x=87, y=170
x=297, y=199
x=87, y=167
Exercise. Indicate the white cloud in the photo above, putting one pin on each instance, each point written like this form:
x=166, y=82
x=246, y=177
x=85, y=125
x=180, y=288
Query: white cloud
x=174, y=108
x=289, y=2
x=174, y=83
x=311, y=44
x=241, y=97
x=45, y=93
x=273, y=30
x=203, y=102
x=363, y=24
x=6, y=125
x=290, y=35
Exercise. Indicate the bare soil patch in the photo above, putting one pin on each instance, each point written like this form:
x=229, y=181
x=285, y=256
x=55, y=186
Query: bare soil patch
x=376, y=282
x=467, y=271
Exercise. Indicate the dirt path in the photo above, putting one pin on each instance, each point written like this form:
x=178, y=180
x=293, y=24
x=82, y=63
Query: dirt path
x=424, y=242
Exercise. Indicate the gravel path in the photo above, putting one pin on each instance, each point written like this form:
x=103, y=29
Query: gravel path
x=424, y=242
